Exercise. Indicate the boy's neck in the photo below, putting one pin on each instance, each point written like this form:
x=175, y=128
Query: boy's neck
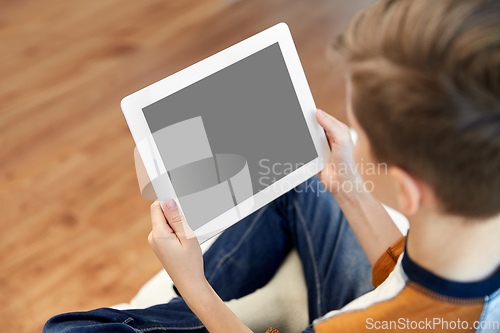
x=454, y=248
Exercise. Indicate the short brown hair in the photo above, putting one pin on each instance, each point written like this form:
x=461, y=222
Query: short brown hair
x=426, y=89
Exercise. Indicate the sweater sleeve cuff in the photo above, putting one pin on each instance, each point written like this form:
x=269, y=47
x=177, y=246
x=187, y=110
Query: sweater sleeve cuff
x=272, y=330
x=386, y=263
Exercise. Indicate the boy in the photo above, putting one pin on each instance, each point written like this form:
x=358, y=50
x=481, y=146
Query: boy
x=423, y=93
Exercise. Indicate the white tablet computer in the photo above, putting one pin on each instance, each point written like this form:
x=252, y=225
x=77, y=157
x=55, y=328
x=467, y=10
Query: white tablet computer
x=231, y=133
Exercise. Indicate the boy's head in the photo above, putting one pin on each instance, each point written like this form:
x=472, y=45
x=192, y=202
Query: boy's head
x=424, y=77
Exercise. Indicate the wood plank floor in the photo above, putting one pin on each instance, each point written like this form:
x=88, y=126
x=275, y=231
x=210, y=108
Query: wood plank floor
x=73, y=226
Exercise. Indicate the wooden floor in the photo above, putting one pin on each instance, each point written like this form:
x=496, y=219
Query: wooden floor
x=73, y=226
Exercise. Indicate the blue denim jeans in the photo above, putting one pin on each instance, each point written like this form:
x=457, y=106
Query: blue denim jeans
x=247, y=255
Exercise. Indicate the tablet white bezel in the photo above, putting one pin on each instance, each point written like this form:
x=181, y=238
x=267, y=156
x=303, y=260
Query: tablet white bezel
x=133, y=104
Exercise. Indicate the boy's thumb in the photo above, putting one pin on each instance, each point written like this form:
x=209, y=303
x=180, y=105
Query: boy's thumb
x=175, y=218
x=327, y=122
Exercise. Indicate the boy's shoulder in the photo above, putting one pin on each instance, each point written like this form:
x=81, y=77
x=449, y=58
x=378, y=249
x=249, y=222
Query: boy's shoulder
x=412, y=298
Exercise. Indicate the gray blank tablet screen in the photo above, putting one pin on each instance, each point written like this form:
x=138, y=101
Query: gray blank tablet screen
x=250, y=115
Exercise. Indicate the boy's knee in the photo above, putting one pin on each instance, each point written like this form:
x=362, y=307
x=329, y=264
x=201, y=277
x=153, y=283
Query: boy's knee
x=100, y=320
x=60, y=324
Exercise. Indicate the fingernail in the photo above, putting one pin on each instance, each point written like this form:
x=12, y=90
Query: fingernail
x=171, y=204
x=321, y=113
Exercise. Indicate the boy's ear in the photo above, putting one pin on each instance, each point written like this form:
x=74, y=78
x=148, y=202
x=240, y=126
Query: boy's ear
x=408, y=193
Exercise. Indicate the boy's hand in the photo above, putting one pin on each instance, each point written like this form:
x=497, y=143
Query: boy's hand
x=340, y=174
x=373, y=227
x=176, y=246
